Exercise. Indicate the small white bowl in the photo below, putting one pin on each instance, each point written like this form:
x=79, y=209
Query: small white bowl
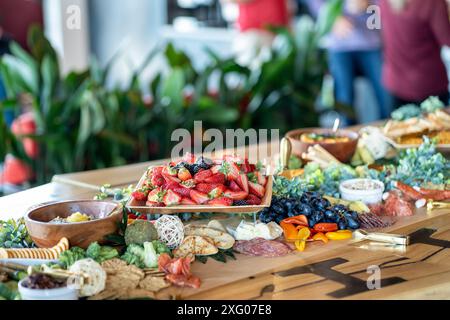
x=64, y=293
x=368, y=196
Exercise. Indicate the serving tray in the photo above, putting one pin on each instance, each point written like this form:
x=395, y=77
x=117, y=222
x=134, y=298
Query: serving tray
x=140, y=206
x=400, y=146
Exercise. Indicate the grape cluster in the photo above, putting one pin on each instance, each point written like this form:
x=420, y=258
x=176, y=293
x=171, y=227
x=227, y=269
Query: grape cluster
x=316, y=208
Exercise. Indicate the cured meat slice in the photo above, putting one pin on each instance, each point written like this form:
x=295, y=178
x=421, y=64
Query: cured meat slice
x=262, y=247
x=182, y=280
x=395, y=205
x=377, y=208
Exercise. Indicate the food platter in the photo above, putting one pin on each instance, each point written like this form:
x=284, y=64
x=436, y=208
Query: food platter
x=135, y=205
x=401, y=146
x=160, y=245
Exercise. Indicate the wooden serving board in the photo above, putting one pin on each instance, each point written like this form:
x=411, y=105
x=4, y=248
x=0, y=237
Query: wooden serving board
x=337, y=270
x=139, y=207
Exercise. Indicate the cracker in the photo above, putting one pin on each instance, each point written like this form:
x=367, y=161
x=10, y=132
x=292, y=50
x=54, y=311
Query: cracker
x=154, y=284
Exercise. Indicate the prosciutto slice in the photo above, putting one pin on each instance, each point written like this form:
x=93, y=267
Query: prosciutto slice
x=178, y=271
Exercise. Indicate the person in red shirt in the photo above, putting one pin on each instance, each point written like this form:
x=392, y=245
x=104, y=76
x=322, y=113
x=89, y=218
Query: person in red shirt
x=414, y=32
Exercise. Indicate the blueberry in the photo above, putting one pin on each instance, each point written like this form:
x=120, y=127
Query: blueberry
x=329, y=214
x=352, y=224
x=354, y=215
x=305, y=209
x=278, y=209
x=265, y=217
x=319, y=215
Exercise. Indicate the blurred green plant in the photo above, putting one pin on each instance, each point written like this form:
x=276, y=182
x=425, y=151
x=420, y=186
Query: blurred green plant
x=84, y=124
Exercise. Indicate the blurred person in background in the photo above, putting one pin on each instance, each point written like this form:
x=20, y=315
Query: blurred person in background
x=4, y=48
x=354, y=50
x=414, y=32
x=255, y=17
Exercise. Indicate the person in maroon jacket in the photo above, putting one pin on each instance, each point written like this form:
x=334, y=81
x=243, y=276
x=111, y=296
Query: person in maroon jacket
x=414, y=32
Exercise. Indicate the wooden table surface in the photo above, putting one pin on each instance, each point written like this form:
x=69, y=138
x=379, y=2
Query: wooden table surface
x=337, y=270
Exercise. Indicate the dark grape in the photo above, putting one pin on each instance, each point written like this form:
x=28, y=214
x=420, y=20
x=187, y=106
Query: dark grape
x=342, y=224
x=329, y=214
x=305, y=209
x=352, y=224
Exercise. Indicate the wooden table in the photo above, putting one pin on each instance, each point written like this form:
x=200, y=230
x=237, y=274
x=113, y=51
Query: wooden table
x=337, y=270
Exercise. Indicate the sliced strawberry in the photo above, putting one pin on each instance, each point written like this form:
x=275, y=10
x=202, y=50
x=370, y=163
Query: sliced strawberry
x=157, y=180
x=245, y=167
x=217, y=191
x=234, y=186
x=188, y=183
x=156, y=195
x=242, y=182
x=169, y=178
x=170, y=185
x=139, y=195
x=218, y=178
x=234, y=172
x=182, y=191
x=262, y=180
x=171, y=198
x=202, y=175
x=256, y=189
x=155, y=171
x=188, y=202
x=189, y=158
x=253, y=200
x=204, y=187
x=216, y=168
x=198, y=197
x=169, y=171
x=236, y=195
x=223, y=201
x=184, y=174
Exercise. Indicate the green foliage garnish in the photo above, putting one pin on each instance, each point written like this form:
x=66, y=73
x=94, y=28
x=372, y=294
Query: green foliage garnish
x=146, y=255
x=94, y=251
x=432, y=104
x=406, y=112
x=14, y=234
x=69, y=257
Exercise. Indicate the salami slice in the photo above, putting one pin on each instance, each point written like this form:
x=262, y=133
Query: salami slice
x=262, y=247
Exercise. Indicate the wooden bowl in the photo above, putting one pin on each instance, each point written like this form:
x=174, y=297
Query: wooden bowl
x=80, y=234
x=343, y=151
